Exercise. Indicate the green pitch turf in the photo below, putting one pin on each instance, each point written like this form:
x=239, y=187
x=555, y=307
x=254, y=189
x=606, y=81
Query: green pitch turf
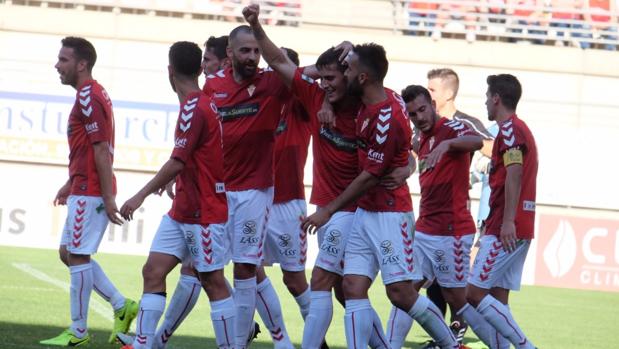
x=34, y=306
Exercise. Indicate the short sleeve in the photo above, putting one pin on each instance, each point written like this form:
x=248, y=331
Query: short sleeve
x=190, y=126
x=384, y=142
x=96, y=121
x=458, y=129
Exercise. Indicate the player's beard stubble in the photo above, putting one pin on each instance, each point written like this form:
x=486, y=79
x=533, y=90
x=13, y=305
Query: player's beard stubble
x=354, y=88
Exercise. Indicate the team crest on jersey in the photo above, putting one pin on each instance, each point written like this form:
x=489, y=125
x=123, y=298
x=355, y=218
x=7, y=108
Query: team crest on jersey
x=365, y=124
x=251, y=89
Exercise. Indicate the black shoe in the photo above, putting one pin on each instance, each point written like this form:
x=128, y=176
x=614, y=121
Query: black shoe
x=253, y=334
x=324, y=345
x=459, y=329
x=431, y=345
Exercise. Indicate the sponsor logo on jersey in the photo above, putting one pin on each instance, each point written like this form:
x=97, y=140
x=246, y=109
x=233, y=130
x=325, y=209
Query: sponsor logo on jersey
x=285, y=243
x=528, y=205
x=238, y=111
x=180, y=143
x=92, y=127
x=375, y=156
x=220, y=95
x=338, y=141
x=439, y=259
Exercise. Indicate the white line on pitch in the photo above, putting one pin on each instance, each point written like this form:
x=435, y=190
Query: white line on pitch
x=98, y=307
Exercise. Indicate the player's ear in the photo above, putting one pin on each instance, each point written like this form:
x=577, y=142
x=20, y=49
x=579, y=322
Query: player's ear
x=229, y=52
x=82, y=65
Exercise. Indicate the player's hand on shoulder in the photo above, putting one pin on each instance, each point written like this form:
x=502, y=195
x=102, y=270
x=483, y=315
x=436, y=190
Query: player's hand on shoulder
x=251, y=13
x=112, y=211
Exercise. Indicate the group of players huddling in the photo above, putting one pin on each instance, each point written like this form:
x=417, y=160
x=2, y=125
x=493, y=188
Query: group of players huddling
x=237, y=168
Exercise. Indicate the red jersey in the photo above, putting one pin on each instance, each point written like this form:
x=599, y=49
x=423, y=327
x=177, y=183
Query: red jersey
x=291, y=141
x=249, y=113
x=91, y=121
x=443, y=209
x=334, y=149
x=200, y=191
x=384, y=134
x=513, y=139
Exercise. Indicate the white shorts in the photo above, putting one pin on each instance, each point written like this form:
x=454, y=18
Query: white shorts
x=248, y=214
x=381, y=241
x=493, y=267
x=286, y=242
x=332, y=239
x=85, y=224
x=444, y=258
x=204, y=246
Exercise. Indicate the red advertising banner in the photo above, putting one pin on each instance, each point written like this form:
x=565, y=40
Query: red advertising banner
x=578, y=252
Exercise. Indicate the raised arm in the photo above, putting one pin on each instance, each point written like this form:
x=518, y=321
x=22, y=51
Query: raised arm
x=271, y=53
x=465, y=144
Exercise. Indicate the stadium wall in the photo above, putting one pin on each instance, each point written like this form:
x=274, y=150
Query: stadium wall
x=570, y=102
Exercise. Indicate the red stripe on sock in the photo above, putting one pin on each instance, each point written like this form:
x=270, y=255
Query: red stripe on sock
x=440, y=318
x=510, y=324
x=379, y=336
x=267, y=307
x=354, y=336
x=176, y=323
x=225, y=330
x=81, y=290
x=395, y=313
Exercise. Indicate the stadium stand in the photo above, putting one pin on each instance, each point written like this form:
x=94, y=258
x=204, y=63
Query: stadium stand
x=579, y=23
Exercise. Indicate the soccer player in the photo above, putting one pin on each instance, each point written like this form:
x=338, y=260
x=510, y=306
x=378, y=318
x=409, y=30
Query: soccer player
x=443, y=85
x=285, y=242
x=445, y=229
x=195, y=225
x=509, y=229
x=187, y=290
x=90, y=193
x=249, y=101
x=380, y=236
x=335, y=166
x=215, y=56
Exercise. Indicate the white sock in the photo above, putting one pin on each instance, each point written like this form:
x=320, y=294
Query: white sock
x=245, y=305
x=304, y=300
x=318, y=320
x=81, y=288
x=105, y=288
x=499, y=316
x=377, y=337
x=183, y=300
x=482, y=328
x=270, y=310
x=222, y=315
x=151, y=308
x=358, y=322
x=431, y=319
x=399, y=325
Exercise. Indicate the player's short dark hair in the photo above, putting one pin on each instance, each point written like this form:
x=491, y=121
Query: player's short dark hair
x=413, y=91
x=241, y=29
x=217, y=46
x=374, y=58
x=185, y=58
x=447, y=74
x=293, y=55
x=82, y=49
x=330, y=56
x=507, y=87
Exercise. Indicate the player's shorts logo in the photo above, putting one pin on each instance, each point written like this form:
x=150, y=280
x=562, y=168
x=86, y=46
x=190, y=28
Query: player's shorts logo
x=439, y=258
x=284, y=240
x=191, y=241
x=249, y=228
x=331, y=242
x=386, y=249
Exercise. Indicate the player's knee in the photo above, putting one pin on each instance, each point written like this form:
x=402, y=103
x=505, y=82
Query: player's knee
x=401, y=294
x=214, y=284
x=323, y=280
x=353, y=288
x=295, y=282
x=244, y=271
x=152, y=274
x=473, y=296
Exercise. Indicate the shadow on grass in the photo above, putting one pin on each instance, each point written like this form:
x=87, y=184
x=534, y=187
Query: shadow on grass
x=24, y=336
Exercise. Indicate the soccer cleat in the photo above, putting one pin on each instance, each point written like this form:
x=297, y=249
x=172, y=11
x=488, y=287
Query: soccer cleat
x=458, y=329
x=128, y=346
x=124, y=339
x=66, y=339
x=123, y=318
x=253, y=334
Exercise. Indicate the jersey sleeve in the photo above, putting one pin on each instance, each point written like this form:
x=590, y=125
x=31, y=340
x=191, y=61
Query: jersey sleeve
x=208, y=85
x=96, y=122
x=307, y=91
x=189, y=129
x=458, y=129
x=476, y=126
x=512, y=144
x=386, y=138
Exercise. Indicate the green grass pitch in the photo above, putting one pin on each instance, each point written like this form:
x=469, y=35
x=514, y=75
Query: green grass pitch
x=32, y=309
